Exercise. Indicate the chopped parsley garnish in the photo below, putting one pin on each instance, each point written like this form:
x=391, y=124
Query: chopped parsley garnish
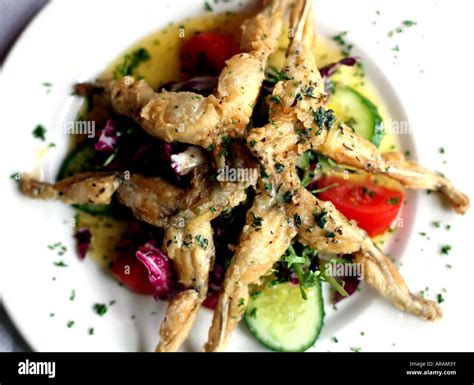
x=202, y=242
x=445, y=249
x=276, y=99
x=48, y=86
x=300, y=264
x=439, y=298
x=16, y=176
x=100, y=308
x=279, y=167
x=268, y=186
x=60, y=264
x=323, y=118
x=73, y=295
x=208, y=7
x=241, y=302
x=90, y=331
x=400, y=29
x=257, y=221
x=393, y=201
x=253, y=143
x=436, y=224
x=297, y=220
x=356, y=350
x=70, y=324
x=59, y=247
x=130, y=62
x=320, y=218
x=441, y=150
x=256, y=294
x=39, y=132
x=409, y=23
x=253, y=313
x=346, y=48
x=330, y=234
x=287, y=197
x=335, y=340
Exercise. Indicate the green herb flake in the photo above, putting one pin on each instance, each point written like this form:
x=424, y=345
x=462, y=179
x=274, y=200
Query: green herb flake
x=276, y=99
x=131, y=61
x=256, y=294
x=60, y=264
x=320, y=218
x=253, y=313
x=356, y=350
x=256, y=221
x=439, y=298
x=72, y=297
x=208, y=7
x=287, y=197
x=279, y=167
x=393, y=201
x=39, y=132
x=445, y=249
x=323, y=118
x=409, y=23
x=100, y=308
x=70, y=324
x=202, y=242
x=297, y=219
x=90, y=331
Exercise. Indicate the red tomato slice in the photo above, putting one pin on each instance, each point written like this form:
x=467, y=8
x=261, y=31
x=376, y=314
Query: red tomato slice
x=132, y=273
x=206, y=53
x=374, y=207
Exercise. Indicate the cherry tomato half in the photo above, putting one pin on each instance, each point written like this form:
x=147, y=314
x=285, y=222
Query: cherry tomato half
x=206, y=53
x=373, y=206
x=132, y=274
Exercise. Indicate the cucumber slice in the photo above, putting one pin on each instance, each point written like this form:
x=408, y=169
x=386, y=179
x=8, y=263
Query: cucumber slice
x=282, y=320
x=80, y=160
x=357, y=112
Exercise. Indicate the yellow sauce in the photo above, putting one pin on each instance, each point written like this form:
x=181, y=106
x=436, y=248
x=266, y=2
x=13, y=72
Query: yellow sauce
x=164, y=66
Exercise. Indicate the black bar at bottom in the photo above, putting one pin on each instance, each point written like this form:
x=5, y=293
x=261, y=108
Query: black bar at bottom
x=159, y=368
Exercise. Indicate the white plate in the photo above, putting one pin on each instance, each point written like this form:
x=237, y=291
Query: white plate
x=75, y=40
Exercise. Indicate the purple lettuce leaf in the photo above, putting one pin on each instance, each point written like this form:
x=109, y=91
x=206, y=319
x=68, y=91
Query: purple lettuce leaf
x=160, y=270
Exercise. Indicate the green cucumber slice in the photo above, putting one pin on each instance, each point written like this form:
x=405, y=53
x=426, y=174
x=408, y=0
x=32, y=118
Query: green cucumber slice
x=79, y=160
x=357, y=112
x=282, y=320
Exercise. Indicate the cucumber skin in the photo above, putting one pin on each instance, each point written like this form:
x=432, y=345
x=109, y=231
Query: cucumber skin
x=85, y=151
x=304, y=347
x=378, y=129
